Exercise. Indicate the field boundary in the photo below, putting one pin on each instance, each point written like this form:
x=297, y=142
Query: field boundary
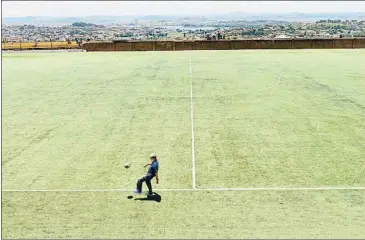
x=196, y=189
x=187, y=45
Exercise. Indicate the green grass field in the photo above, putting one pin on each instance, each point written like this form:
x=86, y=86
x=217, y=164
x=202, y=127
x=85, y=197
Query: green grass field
x=262, y=119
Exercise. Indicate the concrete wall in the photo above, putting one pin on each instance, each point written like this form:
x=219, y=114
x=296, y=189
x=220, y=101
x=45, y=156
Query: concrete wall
x=144, y=46
x=322, y=43
x=359, y=43
x=272, y=44
x=282, y=44
x=181, y=46
x=222, y=45
x=123, y=46
x=225, y=45
x=346, y=43
x=102, y=46
x=301, y=44
x=244, y=44
x=204, y=45
x=164, y=46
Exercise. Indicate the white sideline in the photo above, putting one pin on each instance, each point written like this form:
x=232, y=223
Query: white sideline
x=91, y=190
x=193, y=190
x=192, y=125
x=283, y=188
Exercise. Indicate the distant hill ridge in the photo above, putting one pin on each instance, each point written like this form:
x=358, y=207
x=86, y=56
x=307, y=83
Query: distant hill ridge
x=106, y=20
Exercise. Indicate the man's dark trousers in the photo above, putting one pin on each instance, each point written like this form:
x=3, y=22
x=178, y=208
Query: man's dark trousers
x=147, y=178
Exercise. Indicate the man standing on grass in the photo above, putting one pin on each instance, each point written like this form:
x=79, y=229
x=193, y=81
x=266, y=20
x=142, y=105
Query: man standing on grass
x=151, y=173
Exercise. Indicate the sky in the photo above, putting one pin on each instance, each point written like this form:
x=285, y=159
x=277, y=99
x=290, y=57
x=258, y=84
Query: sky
x=89, y=8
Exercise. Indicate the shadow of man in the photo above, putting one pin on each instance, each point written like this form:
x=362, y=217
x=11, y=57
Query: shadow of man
x=155, y=197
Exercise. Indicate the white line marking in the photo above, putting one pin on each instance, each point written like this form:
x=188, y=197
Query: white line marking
x=282, y=188
x=192, y=125
x=196, y=189
x=91, y=190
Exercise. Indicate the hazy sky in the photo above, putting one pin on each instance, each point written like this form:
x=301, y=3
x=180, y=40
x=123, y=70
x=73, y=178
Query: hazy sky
x=67, y=9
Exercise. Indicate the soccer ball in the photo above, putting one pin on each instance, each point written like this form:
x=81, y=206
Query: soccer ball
x=127, y=165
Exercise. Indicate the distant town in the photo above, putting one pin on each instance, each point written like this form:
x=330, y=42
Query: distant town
x=186, y=29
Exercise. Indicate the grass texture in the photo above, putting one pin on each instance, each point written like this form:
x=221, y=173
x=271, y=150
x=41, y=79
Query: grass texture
x=275, y=118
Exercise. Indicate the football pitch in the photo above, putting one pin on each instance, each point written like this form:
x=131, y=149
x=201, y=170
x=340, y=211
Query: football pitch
x=251, y=144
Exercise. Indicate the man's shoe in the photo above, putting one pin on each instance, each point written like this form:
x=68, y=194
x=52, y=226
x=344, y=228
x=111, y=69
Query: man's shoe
x=136, y=191
x=149, y=194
